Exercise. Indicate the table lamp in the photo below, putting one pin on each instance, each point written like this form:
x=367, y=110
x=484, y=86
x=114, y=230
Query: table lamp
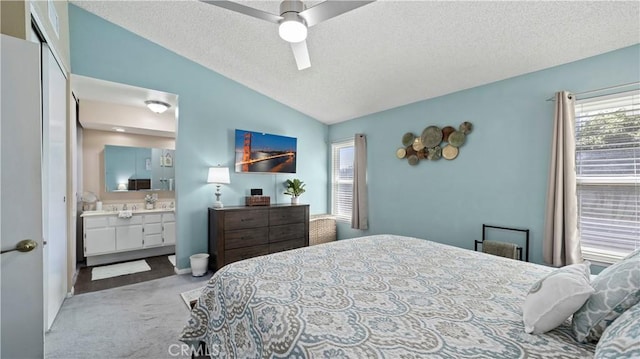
x=218, y=175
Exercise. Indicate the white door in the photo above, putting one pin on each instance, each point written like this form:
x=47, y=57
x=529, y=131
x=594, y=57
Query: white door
x=169, y=232
x=129, y=237
x=99, y=241
x=21, y=274
x=54, y=179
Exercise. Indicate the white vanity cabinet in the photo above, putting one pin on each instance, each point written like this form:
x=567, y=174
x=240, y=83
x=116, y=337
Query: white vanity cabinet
x=99, y=237
x=109, y=238
x=152, y=230
x=169, y=228
x=128, y=232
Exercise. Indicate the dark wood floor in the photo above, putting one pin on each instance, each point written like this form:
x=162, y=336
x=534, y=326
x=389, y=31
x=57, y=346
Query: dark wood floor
x=160, y=267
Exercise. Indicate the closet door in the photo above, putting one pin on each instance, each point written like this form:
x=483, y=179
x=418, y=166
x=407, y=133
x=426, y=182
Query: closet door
x=54, y=171
x=21, y=312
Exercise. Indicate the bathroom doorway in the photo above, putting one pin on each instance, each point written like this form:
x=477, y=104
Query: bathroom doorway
x=126, y=218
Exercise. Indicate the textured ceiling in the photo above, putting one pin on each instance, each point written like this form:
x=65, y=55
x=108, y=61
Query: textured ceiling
x=385, y=54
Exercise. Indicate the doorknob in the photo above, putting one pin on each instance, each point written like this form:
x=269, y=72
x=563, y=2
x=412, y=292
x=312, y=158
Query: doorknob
x=25, y=245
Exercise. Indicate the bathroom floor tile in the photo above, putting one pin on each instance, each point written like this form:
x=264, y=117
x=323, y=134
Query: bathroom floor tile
x=160, y=267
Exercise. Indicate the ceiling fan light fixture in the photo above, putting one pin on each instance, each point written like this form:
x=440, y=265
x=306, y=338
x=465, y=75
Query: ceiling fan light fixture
x=292, y=28
x=157, y=106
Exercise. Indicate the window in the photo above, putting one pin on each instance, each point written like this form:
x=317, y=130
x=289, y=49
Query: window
x=608, y=175
x=342, y=180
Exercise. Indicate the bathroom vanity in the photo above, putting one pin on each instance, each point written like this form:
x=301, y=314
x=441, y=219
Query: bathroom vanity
x=108, y=238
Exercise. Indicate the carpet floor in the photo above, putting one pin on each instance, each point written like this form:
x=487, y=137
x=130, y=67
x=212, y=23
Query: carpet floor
x=140, y=320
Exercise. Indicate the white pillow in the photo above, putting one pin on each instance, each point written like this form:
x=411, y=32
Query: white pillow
x=556, y=297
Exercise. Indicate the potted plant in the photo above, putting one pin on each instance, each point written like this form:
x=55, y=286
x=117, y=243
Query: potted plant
x=150, y=200
x=295, y=188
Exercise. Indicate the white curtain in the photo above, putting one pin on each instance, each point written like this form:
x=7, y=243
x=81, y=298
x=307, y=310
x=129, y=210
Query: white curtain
x=561, y=242
x=359, y=211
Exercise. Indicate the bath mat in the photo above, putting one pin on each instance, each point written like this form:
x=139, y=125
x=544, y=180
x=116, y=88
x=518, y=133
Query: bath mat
x=191, y=297
x=116, y=270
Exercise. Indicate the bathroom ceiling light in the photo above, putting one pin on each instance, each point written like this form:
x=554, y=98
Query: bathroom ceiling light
x=157, y=106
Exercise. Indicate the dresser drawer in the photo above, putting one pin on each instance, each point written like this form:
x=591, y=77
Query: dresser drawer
x=286, y=245
x=246, y=237
x=237, y=233
x=96, y=222
x=152, y=218
x=278, y=216
x=234, y=255
x=286, y=232
x=246, y=219
x=152, y=228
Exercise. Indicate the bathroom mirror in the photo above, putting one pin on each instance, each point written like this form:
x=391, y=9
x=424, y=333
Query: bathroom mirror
x=138, y=169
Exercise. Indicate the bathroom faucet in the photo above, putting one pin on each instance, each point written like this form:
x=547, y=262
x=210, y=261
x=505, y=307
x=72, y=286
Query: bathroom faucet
x=124, y=207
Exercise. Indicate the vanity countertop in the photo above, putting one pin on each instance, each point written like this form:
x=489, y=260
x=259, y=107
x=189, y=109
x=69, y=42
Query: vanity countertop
x=115, y=213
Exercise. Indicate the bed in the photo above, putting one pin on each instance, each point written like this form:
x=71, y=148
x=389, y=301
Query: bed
x=382, y=296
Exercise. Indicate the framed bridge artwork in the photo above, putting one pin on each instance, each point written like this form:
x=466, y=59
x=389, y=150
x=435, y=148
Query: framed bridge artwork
x=262, y=152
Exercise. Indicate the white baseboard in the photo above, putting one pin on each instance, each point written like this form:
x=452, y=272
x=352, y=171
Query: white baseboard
x=182, y=271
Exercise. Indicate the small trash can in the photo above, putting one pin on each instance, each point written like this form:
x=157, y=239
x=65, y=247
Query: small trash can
x=199, y=264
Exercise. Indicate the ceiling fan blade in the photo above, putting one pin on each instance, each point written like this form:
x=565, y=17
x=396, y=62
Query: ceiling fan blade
x=328, y=9
x=301, y=54
x=246, y=10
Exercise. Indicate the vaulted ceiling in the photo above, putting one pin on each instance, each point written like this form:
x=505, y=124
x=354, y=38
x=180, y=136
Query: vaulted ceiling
x=384, y=54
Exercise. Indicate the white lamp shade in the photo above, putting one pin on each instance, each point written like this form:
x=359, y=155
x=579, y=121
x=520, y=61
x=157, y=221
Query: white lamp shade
x=218, y=175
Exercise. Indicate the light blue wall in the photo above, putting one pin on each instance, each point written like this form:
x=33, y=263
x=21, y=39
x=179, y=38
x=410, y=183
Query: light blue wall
x=211, y=107
x=500, y=174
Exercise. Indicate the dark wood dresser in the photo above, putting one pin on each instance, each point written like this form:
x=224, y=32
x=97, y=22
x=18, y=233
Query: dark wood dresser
x=237, y=233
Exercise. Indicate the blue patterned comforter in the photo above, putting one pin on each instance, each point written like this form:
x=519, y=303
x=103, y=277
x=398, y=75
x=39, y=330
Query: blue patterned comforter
x=382, y=296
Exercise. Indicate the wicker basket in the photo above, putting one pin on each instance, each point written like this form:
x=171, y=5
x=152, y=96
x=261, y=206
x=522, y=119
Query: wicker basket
x=257, y=201
x=322, y=229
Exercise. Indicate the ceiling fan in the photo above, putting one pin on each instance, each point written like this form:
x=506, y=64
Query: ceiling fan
x=294, y=20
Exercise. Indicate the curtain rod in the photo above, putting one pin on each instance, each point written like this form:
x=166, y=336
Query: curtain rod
x=598, y=90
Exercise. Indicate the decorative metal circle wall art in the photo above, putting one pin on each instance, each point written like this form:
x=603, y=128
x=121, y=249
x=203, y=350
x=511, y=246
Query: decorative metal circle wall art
x=410, y=151
x=465, y=127
x=431, y=136
x=456, y=138
x=417, y=144
x=434, y=143
x=446, y=131
x=449, y=152
x=434, y=153
x=407, y=139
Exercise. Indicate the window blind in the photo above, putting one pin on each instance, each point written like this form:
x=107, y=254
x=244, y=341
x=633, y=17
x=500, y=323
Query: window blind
x=608, y=175
x=342, y=179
